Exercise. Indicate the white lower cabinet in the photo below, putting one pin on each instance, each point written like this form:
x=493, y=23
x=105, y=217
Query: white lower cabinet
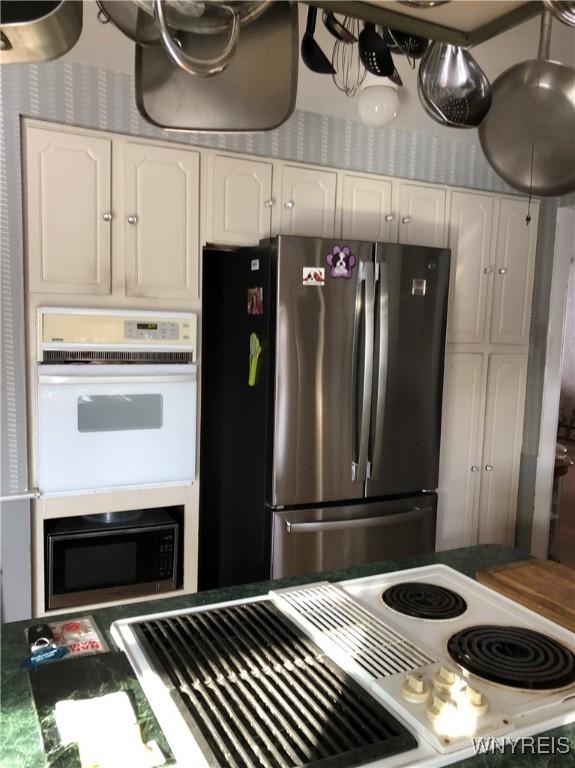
x=501, y=448
x=483, y=405
x=461, y=436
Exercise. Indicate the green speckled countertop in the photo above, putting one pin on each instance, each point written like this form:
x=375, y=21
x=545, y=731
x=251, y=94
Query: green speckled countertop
x=21, y=740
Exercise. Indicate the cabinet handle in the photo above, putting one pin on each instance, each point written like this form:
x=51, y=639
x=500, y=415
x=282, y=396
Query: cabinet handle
x=406, y=219
x=289, y=204
x=268, y=203
x=502, y=271
x=107, y=216
x=488, y=467
x=390, y=217
x=475, y=468
x=132, y=219
x=488, y=270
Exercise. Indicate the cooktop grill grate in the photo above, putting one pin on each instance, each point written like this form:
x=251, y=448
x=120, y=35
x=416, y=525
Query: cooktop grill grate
x=256, y=692
x=372, y=644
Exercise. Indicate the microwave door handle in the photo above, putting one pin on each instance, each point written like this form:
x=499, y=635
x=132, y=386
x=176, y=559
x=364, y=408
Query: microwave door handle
x=169, y=378
x=325, y=526
x=379, y=382
x=362, y=369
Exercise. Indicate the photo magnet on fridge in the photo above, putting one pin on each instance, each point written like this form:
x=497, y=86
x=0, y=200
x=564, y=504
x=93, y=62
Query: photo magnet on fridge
x=256, y=301
x=342, y=261
x=313, y=276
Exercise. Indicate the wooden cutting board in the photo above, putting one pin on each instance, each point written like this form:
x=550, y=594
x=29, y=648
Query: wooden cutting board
x=541, y=585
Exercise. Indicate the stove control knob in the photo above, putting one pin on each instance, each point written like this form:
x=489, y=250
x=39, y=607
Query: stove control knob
x=477, y=700
x=415, y=689
x=438, y=704
x=444, y=679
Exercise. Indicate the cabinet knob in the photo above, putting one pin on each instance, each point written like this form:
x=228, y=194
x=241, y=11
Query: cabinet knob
x=268, y=203
x=289, y=204
x=488, y=270
x=406, y=219
x=502, y=271
x=390, y=217
x=488, y=467
x=132, y=219
x=107, y=216
x=475, y=468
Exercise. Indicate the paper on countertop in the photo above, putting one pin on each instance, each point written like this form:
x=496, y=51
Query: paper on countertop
x=107, y=732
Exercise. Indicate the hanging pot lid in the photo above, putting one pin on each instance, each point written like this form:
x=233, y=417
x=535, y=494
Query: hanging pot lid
x=206, y=18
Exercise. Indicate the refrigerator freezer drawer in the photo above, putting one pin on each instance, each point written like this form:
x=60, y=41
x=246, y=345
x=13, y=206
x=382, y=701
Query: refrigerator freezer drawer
x=329, y=538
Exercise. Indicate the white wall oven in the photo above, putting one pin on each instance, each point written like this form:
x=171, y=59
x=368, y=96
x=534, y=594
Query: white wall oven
x=116, y=399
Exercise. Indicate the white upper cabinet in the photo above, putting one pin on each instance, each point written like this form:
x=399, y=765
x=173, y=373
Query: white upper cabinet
x=460, y=454
x=161, y=221
x=470, y=225
x=421, y=215
x=240, y=200
x=502, y=447
x=307, y=201
x=68, y=211
x=514, y=264
x=367, y=209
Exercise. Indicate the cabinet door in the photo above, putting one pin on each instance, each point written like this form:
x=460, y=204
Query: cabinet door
x=501, y=448
x=460, y=454
x=161, y=221
x=421, y=215
x=470, y=222
x=367, y=210
x=513, y=274
x=67, y=205
x=241, y=200
x=307, y=202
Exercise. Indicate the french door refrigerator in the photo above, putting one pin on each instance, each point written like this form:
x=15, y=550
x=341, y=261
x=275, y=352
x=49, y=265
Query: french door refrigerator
x=322, y=374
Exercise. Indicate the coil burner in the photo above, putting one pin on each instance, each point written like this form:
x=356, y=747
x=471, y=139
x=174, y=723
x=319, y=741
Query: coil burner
x=424, y=601
x=513, y=656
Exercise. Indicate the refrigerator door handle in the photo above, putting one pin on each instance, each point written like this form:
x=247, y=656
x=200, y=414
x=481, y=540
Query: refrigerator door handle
x=324, y=526
x=379, y=382
x=362, y=369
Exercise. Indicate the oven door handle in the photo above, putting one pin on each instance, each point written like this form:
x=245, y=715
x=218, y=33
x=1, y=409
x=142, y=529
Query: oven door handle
x=324, y=526
x=168, y=378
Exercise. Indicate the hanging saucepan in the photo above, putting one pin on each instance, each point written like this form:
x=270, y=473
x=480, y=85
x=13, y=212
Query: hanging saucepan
x=527, y=135
x=149, y=22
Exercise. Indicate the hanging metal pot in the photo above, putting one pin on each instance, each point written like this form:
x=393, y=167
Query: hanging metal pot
x=527, y=135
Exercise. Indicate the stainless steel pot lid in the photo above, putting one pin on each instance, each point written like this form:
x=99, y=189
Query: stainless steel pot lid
x=205, y=17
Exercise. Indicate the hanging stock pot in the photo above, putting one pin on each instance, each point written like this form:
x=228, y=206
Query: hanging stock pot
x=157, y=22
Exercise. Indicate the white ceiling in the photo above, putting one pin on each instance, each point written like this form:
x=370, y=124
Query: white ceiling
x=104, y=46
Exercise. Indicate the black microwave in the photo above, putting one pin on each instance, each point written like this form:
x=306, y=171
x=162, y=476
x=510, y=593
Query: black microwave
x=99, y=558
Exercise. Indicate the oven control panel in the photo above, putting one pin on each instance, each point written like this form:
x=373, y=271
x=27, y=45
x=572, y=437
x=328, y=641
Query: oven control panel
x=70, y=328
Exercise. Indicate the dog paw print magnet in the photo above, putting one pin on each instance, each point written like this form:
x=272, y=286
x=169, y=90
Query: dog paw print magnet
x=342, y=261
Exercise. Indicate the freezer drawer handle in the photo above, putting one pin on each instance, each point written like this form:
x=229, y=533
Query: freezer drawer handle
x=324, y=526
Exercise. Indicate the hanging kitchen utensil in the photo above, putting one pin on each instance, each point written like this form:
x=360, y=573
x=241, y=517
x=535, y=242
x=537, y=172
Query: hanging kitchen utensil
x=349, y=70
x=403, y=43
x=140, y=27
x=38, y=31
x=452, y=87
x=337, y=29
x=374, y=52
x=564, y=10
x=313, y=56
x=256, y=92
x=527, y=136
x=205, y=17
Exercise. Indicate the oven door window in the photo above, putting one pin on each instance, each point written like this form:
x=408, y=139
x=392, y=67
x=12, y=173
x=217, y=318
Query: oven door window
x=100, y=562
x=118, y=413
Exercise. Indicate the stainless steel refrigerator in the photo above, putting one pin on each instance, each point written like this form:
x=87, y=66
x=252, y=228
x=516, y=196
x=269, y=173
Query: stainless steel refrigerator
x=322, y=373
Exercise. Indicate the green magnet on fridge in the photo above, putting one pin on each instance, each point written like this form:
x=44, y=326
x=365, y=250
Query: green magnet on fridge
x=255, y=350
